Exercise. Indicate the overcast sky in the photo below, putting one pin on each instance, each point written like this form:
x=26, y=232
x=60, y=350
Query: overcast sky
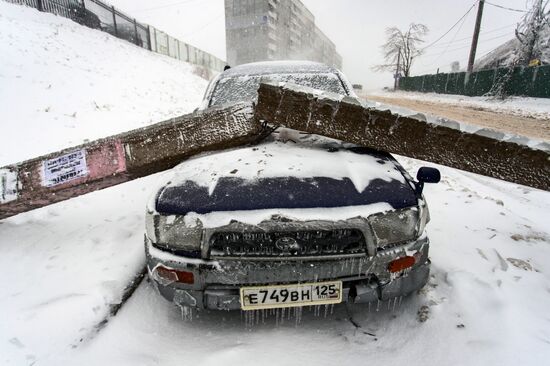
x=355, y=26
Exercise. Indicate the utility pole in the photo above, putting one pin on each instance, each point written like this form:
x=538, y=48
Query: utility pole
x=397, y=69
x=475, y=38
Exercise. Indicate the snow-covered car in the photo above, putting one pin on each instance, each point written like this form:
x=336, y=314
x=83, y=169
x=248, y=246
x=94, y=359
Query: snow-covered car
x=297, y=220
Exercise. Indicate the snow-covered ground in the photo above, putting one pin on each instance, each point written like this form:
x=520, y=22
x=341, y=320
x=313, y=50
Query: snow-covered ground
x=62, y=84
x=74, y=83
x=486, y=302
x=538, y=108
x=63, y=265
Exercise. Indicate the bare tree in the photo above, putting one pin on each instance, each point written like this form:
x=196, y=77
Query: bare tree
x=533, y=33
x=402, y=46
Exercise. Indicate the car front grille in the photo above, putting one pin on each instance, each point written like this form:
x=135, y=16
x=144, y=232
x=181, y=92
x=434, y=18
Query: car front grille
x=288, y=243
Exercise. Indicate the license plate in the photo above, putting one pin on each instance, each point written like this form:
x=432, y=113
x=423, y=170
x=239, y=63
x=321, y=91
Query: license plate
x=284, y=296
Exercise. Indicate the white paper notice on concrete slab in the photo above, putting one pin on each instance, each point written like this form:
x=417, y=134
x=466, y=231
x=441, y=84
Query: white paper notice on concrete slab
x=64, y=168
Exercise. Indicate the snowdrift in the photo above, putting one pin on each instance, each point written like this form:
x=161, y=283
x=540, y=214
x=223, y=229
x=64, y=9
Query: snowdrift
x=74, y=84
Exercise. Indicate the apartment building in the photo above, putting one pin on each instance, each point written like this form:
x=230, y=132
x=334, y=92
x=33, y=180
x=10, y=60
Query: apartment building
x=260, y=30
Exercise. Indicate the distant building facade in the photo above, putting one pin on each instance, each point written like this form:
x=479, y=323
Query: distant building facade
x=262, y=30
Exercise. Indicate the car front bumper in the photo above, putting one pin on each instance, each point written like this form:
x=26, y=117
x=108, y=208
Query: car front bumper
x=217, y=283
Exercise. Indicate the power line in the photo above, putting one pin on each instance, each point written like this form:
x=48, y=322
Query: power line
x=506, y=8
x=470, y=38
x=431, y=67
x=497, y=37
x=450, y=29
x=466, y=46
x=486, y=53
x=456, y=34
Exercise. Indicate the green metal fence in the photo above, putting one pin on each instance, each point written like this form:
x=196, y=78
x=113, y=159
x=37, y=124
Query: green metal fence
x=524, y=81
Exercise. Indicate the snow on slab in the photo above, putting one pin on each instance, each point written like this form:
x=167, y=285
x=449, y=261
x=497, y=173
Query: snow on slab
x=62, y=84
x=538, y=108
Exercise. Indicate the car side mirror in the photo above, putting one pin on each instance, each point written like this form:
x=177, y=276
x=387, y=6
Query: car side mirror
x=426, y=175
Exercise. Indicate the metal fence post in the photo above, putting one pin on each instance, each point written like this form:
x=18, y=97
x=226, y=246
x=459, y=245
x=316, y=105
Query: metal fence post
x=149, y=38
x=534, y=81
x=135, y=32
x=114, y=20
x=39, y=5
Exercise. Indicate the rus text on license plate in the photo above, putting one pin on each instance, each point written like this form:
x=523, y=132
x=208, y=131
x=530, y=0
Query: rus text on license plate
x=282, y=296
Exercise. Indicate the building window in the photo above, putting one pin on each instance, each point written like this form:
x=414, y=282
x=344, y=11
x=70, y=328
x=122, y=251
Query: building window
x=243, y=7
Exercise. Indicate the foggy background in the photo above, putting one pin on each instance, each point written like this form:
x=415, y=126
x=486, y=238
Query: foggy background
x=355, y=26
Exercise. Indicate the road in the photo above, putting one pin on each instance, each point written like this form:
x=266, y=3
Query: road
x=502, y=121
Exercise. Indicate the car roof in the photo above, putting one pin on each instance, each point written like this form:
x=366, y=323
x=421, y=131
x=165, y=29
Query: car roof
x=275, y=67
x=279, y=67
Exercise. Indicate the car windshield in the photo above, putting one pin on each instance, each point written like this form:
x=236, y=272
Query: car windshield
x=243, y=88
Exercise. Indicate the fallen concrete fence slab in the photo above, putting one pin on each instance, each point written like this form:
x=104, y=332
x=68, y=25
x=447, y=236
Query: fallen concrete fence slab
x=346, y=119
x=103, y=163
x=106, y=162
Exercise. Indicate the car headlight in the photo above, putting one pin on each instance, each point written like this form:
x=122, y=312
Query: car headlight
x=174, y=231
x=394, y=227
x=424, y=216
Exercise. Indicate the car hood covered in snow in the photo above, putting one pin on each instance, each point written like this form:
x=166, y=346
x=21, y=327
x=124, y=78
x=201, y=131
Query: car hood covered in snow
x=291, y=170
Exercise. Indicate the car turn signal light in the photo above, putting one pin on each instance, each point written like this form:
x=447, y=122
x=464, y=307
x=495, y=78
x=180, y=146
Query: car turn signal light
x=401, y=264
x=174, y=275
